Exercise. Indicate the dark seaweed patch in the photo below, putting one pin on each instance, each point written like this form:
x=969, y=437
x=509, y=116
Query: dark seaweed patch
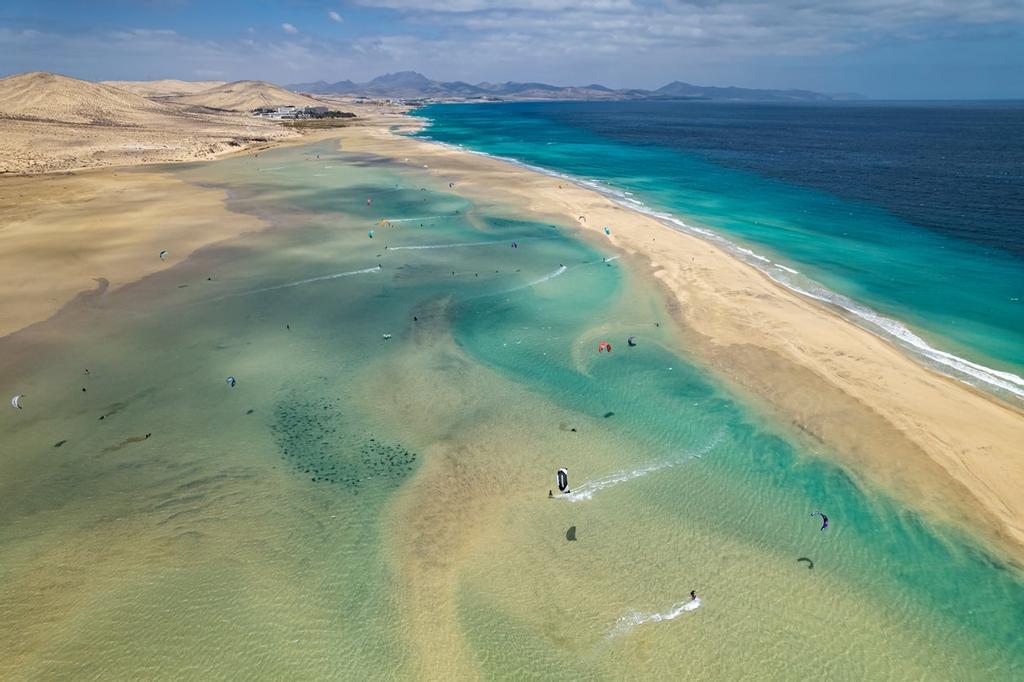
x=316, y=440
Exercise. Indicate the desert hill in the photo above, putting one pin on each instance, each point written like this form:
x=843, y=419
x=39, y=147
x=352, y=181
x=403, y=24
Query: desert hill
x=163, y=88
x=52, y=122
x=246, y=96
x=41, y=96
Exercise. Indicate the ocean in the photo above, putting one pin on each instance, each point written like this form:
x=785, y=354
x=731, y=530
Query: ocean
x=369, y=499
x=909, y=217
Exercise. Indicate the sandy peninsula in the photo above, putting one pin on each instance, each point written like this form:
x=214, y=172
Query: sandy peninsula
x=946, y=449
x=949, y=451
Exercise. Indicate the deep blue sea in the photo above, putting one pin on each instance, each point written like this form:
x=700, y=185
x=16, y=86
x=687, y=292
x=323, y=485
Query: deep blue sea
x=908, y=216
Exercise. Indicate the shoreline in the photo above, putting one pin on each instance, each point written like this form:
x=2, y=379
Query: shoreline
x=91, y=236
x=946, y=447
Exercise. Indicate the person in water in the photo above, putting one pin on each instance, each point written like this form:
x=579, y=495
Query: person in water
x=693, y=594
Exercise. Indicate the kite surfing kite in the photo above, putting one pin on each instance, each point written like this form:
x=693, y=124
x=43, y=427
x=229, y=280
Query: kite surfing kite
x=604, y=345
x=231, y=381
x=824, y=519
x=16, y=401
x=163, y=254
x=562, y=478
x=631, y=341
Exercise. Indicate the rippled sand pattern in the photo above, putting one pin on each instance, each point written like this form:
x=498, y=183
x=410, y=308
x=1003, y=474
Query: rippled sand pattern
x=370, y=500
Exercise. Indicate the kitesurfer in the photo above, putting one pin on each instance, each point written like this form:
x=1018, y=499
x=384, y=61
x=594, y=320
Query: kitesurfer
x=693, y=594
x=230, y=381
x=551, y=495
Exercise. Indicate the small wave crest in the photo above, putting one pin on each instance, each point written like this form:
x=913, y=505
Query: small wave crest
x=311, y=280
x=588, y=489
x=972, y=373
x=627, y=623
x=540, y=280
x=422, y=247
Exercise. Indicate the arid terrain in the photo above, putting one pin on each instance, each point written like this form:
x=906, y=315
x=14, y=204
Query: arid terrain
x=55, y=123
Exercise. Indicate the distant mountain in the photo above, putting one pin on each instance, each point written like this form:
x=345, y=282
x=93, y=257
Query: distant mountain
x=681, y=89
x=413, y=85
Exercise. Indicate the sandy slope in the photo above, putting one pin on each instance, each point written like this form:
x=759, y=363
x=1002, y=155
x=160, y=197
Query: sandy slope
x=65, y=234
x=51, y=122
x=246, y=96
x=163, y=88
x=946, y=449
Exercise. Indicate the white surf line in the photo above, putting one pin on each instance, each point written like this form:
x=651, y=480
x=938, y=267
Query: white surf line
x=311, y=280
x=590, y=488
x=426, y=217
x=445, y=246
x=890, y=329
x=625, y=624
x=540, y=280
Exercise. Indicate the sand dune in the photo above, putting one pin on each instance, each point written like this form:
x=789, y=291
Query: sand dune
x=246, y=96
x=53, y=122
x=163, y=88
x=40, y=96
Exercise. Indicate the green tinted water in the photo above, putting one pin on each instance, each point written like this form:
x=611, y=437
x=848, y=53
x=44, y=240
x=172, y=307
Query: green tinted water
x=366, y=507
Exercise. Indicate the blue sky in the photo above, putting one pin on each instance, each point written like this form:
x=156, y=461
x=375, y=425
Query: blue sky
x=881, y=48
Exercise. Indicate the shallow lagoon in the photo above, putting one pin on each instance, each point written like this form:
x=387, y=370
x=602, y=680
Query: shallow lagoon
x=365, y=506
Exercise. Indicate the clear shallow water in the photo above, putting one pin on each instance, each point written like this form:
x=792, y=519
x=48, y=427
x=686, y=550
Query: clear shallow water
x=382, y=510
x=914, y=213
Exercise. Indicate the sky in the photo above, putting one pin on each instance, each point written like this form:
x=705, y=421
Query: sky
x=887, y=49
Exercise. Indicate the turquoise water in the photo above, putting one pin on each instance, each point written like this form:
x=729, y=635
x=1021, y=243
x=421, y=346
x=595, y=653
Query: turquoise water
x=888, y=273
x=366, y=507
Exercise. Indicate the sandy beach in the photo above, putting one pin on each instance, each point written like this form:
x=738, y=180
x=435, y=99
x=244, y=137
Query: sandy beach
x=163, y=507
x=947, y=449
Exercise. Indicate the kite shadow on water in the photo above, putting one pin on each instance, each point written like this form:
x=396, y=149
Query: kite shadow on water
x=810, y=564
x=570, y=534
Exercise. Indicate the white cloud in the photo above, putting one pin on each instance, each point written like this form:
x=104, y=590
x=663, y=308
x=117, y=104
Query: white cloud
x=634, y=43
x=334, y=16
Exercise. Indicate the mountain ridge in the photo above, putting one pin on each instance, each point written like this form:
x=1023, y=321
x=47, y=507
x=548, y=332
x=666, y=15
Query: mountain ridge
x=414, y=85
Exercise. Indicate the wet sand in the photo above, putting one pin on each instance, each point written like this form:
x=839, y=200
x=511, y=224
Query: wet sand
x=943, y=447
x=212, y=549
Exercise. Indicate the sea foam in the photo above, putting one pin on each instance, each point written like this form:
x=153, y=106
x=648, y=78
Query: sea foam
x=999, y=382
x=625, y=624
